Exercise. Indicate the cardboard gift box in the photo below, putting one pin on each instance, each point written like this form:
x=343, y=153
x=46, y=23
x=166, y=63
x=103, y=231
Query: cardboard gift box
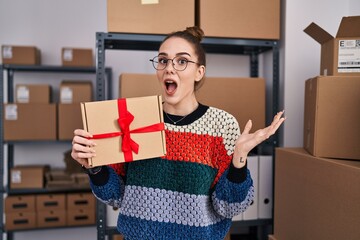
x=22, y=55
x=140, y=136
x=143, y=16
x=340, y=55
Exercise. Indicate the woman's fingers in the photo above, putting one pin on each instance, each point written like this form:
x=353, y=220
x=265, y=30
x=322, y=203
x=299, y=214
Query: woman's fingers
x=247, y=127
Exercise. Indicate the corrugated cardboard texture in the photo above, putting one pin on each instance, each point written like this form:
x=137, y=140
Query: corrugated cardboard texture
x=146, y=111
x=21, y=55
x=242, y=97
x=69, y=119
x=33, y=122
x=161, y=18
x=32, y=93
x=315, y=198
x=77, y=57
x=138, y=85
x=331, y=119
x=258, y=19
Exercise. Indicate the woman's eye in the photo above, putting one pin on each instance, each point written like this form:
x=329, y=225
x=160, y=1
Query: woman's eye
x=182, y=61
x=163, y=60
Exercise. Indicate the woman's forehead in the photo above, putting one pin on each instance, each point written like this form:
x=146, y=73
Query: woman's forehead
x=176, y=45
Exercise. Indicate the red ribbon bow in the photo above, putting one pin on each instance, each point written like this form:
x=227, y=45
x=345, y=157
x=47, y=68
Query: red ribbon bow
x=125, y=118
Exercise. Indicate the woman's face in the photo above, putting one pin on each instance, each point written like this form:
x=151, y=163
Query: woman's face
x=178, y=86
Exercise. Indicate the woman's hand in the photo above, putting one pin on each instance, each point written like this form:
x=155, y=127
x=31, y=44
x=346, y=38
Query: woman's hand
x=82, y=147
x=247, y=141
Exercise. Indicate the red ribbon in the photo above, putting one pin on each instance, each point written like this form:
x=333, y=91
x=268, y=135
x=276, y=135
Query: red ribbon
x=124, y=121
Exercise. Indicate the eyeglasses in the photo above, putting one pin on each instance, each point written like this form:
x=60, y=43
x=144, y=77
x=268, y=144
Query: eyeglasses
x=179, y=63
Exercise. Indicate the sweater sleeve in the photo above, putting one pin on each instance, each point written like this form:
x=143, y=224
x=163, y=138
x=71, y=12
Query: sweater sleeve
x=107, y=186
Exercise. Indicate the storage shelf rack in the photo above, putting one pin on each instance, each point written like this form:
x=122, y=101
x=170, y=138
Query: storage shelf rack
x=149, y=42
x=9, y=70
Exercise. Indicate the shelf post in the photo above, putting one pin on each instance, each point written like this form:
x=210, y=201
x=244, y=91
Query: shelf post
x=100, y=67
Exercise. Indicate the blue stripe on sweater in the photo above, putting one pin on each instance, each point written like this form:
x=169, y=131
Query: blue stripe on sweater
x=146, y=229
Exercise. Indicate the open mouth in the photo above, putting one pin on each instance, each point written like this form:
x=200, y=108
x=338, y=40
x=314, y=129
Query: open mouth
x=170, y=86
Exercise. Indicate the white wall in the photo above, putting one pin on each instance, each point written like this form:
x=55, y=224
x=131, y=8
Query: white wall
x=52, y=24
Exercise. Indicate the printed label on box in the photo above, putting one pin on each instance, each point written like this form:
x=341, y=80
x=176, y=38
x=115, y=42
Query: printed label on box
x=349, y=56
x=68, y=55
x=16, y=176
x=149, y=1
x=11, y=112
x=66, y=95
x=7, y=52
x=23, y=94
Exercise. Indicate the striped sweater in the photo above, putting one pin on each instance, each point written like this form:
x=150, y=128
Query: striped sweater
x=191, y=193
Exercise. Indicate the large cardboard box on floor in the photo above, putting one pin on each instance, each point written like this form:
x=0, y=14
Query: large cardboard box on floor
x=29, y=121
x=242, y=97
x=115, y=144
x=255, y=19
x=331, y=119
x=339, y=55
x=315, y=198
x=77, y=57
x=28, y=176
x=129, y=85
x=21, y=55
x=150, y=16
x=32, y=93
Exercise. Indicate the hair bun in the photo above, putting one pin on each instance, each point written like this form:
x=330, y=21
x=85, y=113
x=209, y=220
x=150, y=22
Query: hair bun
x=196, y=32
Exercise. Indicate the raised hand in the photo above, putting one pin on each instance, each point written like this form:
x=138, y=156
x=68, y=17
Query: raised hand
x=247, y=141
x=82, y=147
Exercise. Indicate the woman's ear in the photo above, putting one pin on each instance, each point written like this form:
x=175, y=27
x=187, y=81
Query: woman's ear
x=200, y=73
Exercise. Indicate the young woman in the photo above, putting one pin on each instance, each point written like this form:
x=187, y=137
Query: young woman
x=194, y=191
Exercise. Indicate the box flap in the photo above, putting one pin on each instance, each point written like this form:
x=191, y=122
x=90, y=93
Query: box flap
x=317, y=33
x=349, y=27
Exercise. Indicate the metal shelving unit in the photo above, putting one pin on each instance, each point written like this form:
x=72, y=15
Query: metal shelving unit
x=9, y=71
x=149, y=42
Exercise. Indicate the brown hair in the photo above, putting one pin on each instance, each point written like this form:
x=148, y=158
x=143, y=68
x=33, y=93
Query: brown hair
x=193, y=35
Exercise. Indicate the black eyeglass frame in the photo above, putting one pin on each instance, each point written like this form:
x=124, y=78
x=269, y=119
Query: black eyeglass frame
x=172, y=61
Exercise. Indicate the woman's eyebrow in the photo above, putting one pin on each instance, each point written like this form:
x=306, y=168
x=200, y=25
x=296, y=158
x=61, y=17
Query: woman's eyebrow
x=177, y=54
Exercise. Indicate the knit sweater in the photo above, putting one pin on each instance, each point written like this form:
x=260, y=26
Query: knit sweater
x=191, y=193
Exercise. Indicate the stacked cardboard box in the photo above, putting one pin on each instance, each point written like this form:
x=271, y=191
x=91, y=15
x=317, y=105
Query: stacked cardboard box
x=32, y=116
x=315, y=194
x=51, y=210
x=20, y=55
x=28, y=176
x=80, y=209
x=69, y=111
x=20, y=212
x=77, y=57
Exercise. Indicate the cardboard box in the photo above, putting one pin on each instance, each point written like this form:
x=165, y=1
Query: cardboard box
x=256, y=19
x=80, y=201
x=339, y=55
x=76, y=217
x=53, y=218
x=48, y=202
x=72, y=91
x=28, y=176
x=147, y=111
x=77, y=57
x=21, y=55
x=20, y=203
x=29, y=121
x=149, y=16
x=69, y=119
x=315, y=198
x=331, y=119
x=20, y=220
x=32, y=93
x=129, y=85
x=235, y=95
x=118, y=237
